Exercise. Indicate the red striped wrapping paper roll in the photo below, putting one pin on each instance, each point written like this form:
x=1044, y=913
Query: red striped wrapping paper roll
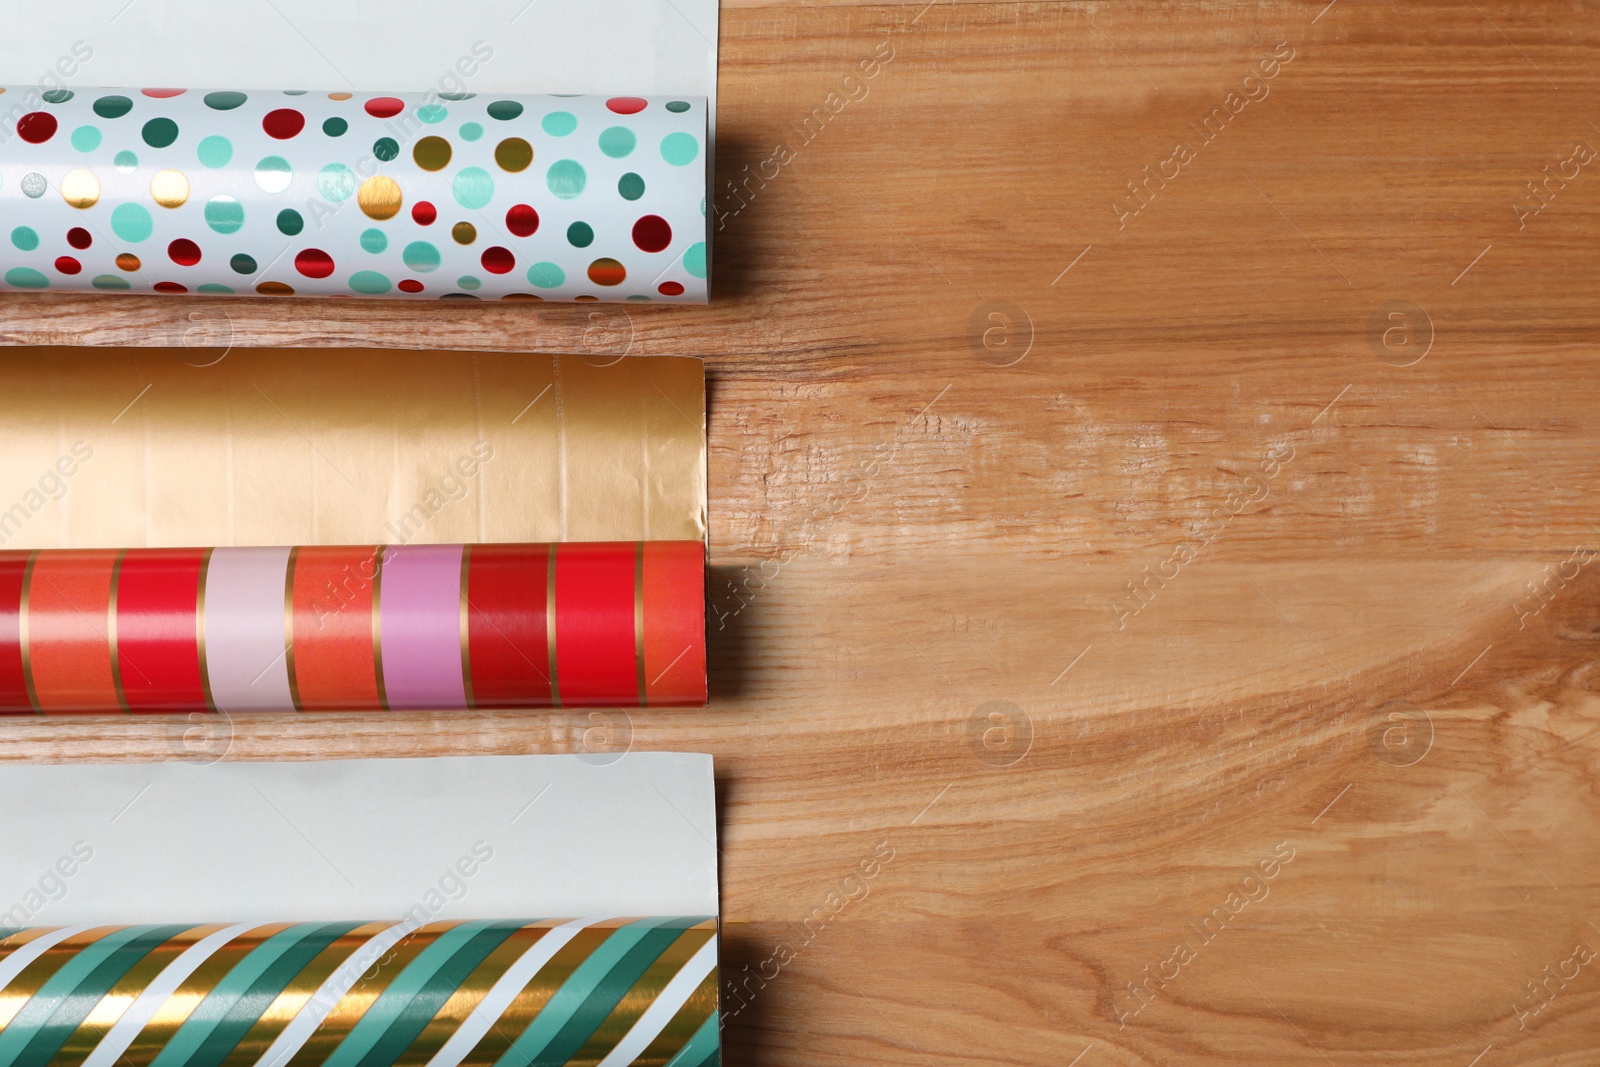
x=362, y=628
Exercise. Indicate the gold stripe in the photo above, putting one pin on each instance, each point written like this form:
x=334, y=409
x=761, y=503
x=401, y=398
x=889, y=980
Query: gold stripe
x=22, y=627
x=200, y=629
x=377, y=631
x=638, y=620
x=638, y=999
x=550, y=627
x=466, y=648
x=288, y=627
x=111, y=629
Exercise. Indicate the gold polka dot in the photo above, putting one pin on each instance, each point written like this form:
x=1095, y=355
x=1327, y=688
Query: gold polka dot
x=432, y=153
x=338, y=96
x=127, y=261
x=80, y=189
x=464, y=233
x=169, y=188
x=513, y=154
x=275, y=289
x=379, y=197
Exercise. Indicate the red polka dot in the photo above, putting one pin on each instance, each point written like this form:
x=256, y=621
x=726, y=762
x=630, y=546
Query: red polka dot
x=283, y=123
x=522, y=220
x=36, y=127
x=498, y=260
x=652, y=233
x=410, y=285
x=79, y=238
x=670, y=288
x=384, y=107
x=163, y=94
x=314, y=263
x=169, y=287
x=626, y=105
x=184, y=252
x=423, y=213
x=68, y=265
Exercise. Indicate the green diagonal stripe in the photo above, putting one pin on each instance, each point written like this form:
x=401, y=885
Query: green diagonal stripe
x=75, y=1007
x=441, y=987
x=393, y=1000
x=704, y=1049
x=37, y=1012
x=214, y=1007
x=262, y=992
x=587, y=996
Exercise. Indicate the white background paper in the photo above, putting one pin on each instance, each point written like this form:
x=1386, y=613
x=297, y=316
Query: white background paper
x=358, y=839
x=621, y=47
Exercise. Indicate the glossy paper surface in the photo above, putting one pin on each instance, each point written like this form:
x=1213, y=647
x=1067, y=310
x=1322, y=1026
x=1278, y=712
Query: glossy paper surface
x=176, y=447
x=396, y=195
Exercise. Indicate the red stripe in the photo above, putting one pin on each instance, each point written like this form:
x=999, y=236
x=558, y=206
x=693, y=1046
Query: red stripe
x=675, y=622
x=13, y=686
x=158, y=651
x=594, y=624
x=506, y=604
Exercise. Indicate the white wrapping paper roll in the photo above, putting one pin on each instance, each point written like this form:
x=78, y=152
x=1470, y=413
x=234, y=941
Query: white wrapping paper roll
x=482, y=196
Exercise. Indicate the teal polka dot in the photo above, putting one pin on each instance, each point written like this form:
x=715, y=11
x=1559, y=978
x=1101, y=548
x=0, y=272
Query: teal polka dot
x=546, y=275
x=112, y=107
x=243, y=264
x=110, y=282
x=638, y=296
x=335, y=127
x=86, y=138
x=215, y=152
x=160, y=133
x=505, y=110
x=213, y=289
x=559, y=123
x=56, y=96
x=630, y=186
x=125, y=162
x=679, y=149
x=694, y=260
x=274, y=174
x=224, y=214
x=386, y=148
x=473, y=187
x=617, y=141
x=374, y=240
x=131, y=222
x=370, y=282
x=580, y=235
x=471, y=131
x=24, y=238
x=677, y=107
x=421, y=257
x=467, y=281
x=432, y=113
x=336, y=182
x=224, y=101
x=26, y=278
x=290, y=222
x=566, y=178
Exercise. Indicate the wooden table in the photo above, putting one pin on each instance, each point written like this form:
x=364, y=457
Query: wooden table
x=1153, y=624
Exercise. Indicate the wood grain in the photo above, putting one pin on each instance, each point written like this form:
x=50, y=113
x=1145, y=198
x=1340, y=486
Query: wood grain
x=918, y=525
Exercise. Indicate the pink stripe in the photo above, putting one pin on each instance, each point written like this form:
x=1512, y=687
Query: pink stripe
x=245, y=660
x=419, y=618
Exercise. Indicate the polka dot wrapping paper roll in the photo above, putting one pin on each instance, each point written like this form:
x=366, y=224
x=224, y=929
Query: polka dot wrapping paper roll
x=353, y=628
x=447, y=993
x=405, y=195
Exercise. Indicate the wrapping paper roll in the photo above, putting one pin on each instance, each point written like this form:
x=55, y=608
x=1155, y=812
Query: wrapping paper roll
x=368, y=627
x=354, y=194
x=609, y=992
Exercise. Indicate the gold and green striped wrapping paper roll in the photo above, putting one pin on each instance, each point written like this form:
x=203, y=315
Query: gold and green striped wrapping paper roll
x=515, y=993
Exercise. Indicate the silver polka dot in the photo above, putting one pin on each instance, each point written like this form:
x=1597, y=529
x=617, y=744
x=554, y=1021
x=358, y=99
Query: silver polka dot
x=34, y=185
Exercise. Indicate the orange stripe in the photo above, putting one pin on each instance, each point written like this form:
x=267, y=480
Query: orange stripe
x=674, y=622
x=69, y=647
x=335, y=666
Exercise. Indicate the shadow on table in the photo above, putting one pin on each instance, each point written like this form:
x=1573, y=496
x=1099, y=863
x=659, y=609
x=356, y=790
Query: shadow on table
x=728, y=634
